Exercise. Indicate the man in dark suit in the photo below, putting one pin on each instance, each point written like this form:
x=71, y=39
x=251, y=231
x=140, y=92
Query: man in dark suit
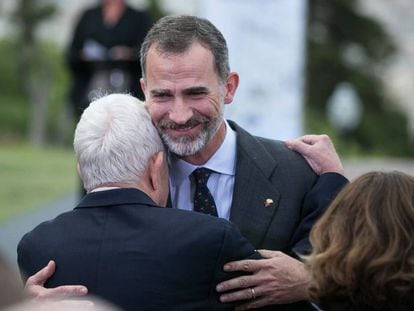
x=119, y=242
x=266, y=189
x=261, y=185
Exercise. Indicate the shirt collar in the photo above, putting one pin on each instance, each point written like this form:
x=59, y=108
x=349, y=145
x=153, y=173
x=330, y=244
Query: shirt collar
x=223, y=160
x=103, y=189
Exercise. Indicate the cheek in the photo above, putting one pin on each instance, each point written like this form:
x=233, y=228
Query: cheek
x=215, y=105
x=157, y=112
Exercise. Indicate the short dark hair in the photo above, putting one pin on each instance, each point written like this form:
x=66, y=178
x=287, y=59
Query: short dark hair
x=175, y=34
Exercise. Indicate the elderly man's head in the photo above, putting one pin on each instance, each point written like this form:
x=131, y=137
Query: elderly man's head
x=116, y=144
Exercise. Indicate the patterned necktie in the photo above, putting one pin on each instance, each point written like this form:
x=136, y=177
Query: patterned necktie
x=203, y=200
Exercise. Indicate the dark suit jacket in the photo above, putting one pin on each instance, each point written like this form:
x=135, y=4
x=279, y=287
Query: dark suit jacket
x=127, y=250
x=267, y=169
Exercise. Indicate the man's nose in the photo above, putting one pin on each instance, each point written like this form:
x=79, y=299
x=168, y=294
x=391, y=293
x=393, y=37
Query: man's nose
x=180, y=111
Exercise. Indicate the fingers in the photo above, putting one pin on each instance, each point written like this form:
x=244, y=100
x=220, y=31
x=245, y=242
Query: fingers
x=40, y=293
x=66, y=291
x=34, y=286
x=319, y=152
x=270, y=254
x=245, y=281
x=312, y=139
x=306, y=139
x=239, y=282
x=297, y=145
x=243, y=294
x=41, y=276
x=242, y=265
x=304, y=145
x=309, y=139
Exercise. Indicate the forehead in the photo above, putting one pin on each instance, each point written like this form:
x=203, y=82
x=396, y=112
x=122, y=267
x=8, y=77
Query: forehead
x=194, y=65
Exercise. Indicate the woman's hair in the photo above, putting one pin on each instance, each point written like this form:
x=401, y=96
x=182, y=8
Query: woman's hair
x=363, y=254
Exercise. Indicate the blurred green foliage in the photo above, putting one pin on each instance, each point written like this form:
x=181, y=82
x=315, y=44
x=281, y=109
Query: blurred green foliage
x=346, y=46
x=155, y=10
x=14, y=110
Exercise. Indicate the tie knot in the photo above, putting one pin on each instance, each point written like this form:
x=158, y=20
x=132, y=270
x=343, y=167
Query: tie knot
x=201, y=175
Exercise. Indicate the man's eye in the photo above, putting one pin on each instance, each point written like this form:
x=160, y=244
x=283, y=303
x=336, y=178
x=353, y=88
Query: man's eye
x=162, y=96
x=197, y=94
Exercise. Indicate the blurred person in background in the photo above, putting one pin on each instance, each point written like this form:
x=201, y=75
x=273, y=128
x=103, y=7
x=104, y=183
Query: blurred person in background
x=363, y=246
x=104, y=52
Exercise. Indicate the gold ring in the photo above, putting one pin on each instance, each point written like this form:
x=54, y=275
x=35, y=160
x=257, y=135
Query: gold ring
x=253, y=293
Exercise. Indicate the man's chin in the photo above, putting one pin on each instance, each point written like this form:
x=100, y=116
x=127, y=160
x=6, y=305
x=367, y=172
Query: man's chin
x=184, y=149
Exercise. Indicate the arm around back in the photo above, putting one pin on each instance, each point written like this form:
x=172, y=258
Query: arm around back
x=234, y=247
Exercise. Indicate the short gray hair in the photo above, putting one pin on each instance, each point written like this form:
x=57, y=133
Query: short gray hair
x=114, y=140
x=175, y=34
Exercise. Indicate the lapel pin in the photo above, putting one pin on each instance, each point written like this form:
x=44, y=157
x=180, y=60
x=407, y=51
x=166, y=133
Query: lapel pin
x=268, y=202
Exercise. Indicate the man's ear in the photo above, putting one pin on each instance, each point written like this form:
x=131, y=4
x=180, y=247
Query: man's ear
x=232, y=82
x=155, y=170
x=142, y=83
x=80, y=175
x=158, y=179
x=78, y=169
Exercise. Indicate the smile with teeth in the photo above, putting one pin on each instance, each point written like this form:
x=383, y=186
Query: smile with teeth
x=188, y=126
x=184, y=128
x=191, y=128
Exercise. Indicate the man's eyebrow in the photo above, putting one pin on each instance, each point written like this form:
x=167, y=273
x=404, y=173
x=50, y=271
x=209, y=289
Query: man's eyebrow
x=196, y=90
x=160, y=92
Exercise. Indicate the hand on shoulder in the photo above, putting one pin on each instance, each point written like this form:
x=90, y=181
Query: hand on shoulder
x=319, y=152
x=35, y=289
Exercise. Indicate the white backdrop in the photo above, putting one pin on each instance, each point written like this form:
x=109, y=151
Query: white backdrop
x=266, y=42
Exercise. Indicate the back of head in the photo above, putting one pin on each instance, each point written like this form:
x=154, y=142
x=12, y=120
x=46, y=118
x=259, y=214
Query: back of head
x=175, y=35
x=363, y=254
x=114, y=140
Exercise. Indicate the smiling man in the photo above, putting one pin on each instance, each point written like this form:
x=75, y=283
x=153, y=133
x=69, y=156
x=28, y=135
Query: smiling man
x=186, y=99
x=187, y=82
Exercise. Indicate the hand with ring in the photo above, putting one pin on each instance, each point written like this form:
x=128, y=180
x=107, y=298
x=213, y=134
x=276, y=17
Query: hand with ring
x=276, y=279
x=253, y=293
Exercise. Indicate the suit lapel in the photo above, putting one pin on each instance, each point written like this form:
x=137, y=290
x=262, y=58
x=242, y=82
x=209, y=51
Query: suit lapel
x=255, y=199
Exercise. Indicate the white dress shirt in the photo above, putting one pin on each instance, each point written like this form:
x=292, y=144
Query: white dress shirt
x=103, y=189
x=220, y=183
